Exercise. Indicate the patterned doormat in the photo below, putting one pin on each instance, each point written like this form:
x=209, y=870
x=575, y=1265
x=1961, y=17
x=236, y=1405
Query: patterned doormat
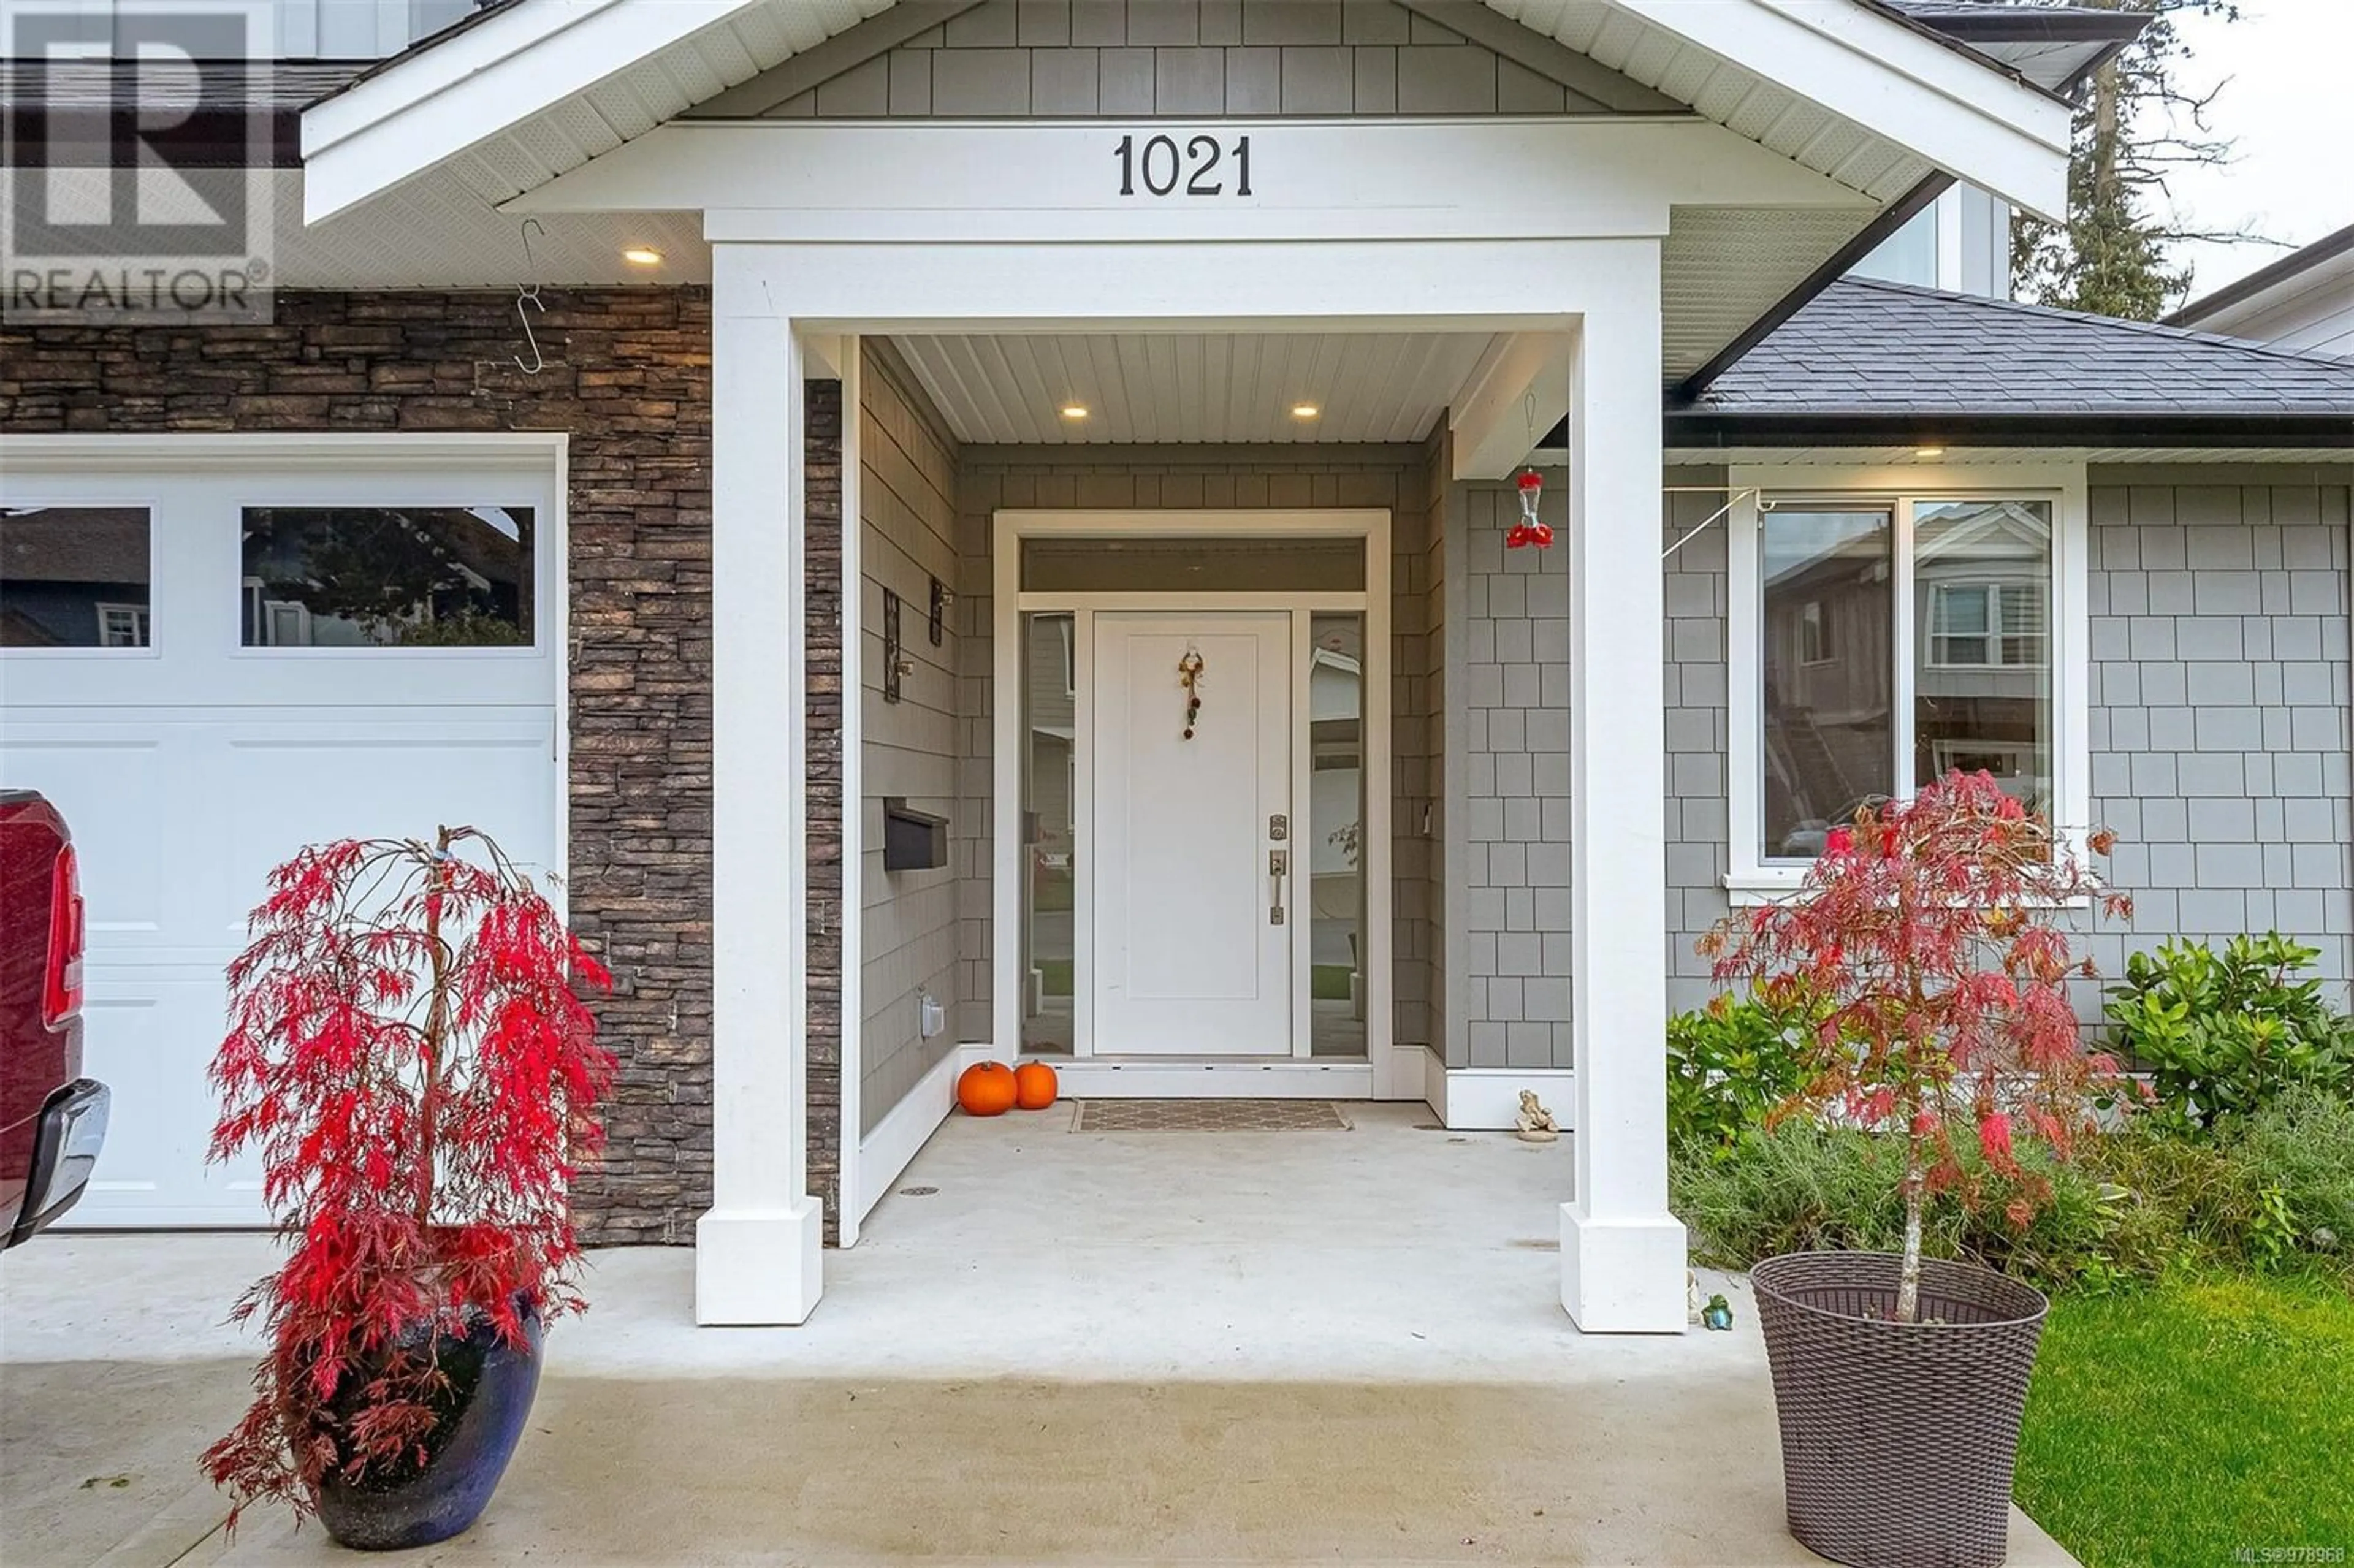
x=1209, y=1116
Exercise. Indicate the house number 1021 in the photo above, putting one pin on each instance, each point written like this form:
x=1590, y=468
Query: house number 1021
x=1165, y=170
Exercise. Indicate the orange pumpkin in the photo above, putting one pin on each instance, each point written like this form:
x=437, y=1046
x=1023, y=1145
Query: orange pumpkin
x=1034, y=1086
x=986, y=1088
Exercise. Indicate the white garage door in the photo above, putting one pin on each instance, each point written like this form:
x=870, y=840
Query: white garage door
x=214, y=651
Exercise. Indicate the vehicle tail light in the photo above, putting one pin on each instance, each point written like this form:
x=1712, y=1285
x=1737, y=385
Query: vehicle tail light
x=62, y=983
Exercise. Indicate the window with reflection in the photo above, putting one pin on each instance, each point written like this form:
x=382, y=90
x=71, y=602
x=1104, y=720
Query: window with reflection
x=1336, y=834
x=1849, y=715
x=74, y=577
x=387, y=577
x=1049, y=829
x=1830, y=740
x=1982, y=687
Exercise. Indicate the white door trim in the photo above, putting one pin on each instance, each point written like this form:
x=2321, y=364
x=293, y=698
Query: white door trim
x=1008, y=602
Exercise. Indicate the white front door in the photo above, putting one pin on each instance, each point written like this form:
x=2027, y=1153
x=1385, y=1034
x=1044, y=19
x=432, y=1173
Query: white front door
x=1191, y=924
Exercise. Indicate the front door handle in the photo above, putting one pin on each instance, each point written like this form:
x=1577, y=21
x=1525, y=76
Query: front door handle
x=1278, y=863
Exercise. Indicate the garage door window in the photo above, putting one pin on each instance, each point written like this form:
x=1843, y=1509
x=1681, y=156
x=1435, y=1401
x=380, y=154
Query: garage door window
x=74, y=577
x=387, y=577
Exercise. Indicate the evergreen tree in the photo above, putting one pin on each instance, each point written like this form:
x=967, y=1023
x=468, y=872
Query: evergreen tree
x=2134, y=124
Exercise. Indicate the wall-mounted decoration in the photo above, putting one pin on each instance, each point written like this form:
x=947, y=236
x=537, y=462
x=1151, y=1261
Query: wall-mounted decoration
x=942, y=598
x=1189, y=675
x=893, y=664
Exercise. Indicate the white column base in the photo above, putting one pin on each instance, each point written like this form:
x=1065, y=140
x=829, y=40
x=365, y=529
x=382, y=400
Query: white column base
x=1623, y=1277
x=759, y=1266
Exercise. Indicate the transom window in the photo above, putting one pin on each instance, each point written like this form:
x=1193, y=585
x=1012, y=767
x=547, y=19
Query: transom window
x=1880, y=641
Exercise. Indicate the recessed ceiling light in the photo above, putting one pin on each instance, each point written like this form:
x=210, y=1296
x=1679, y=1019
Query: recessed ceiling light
x=642, y=256
x=1928, y=451
x=1305, y=410
x=1075, y=410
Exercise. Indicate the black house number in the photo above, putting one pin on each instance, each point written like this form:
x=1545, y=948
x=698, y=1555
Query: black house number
x=1194, y=170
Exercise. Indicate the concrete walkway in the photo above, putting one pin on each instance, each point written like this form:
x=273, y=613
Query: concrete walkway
x=1332, y=1347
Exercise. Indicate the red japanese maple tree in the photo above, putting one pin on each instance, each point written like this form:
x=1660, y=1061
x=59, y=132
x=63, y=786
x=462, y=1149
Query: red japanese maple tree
x=1926, y=930
x=408, y=1054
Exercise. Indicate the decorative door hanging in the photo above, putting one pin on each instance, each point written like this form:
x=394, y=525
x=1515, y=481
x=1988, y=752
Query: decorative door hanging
x=1189, y=675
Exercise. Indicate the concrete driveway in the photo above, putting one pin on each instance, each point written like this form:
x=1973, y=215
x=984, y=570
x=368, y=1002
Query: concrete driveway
x=1075, y=1348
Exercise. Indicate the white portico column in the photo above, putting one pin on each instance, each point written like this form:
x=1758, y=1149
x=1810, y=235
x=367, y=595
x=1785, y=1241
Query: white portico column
x=757, y=1252
x=1622, y=1254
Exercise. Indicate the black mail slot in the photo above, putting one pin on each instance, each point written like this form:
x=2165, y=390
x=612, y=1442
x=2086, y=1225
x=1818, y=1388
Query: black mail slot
x=912, y=840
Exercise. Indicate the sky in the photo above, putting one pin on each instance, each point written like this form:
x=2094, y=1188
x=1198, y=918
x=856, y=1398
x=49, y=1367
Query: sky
x=2287, y=70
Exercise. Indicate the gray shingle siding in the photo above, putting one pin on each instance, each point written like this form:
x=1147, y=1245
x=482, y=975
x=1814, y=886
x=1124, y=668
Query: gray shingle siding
x=1698, y=819
x=2220, y=690
x=2218, y=740
x=1510, y=971
x=909, y=949
x=1016, y=58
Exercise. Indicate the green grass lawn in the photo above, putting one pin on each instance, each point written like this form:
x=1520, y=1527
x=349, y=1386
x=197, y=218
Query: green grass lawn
x=2194, y=1424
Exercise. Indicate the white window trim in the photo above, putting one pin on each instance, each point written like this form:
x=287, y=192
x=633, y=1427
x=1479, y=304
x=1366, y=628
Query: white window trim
x=1753, y=881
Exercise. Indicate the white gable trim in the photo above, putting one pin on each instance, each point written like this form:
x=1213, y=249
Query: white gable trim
x=517, y=63
x=532, y=62
x=1966, y=117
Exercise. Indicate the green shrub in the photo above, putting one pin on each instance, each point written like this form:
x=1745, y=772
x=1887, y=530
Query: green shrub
x=2273, y=1192
x=2224, y=1034
x=1801, y=1187
x=1729, y=1063
x=2298, y=1153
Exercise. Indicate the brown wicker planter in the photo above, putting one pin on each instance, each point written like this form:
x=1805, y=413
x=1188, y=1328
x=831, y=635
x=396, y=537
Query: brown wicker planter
x=1897, y=1438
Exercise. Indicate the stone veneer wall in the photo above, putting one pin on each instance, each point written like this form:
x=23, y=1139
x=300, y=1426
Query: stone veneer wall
x=628, y=378
x=2220, y=679
x=822, y=771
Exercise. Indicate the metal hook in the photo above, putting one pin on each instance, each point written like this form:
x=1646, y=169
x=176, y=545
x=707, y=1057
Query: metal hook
x=528, y=294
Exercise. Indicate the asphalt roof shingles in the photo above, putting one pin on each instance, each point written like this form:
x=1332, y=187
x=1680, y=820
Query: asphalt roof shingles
x=1865, y=347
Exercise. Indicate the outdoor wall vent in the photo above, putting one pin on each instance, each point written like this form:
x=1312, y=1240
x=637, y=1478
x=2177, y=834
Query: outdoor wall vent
x=912, y=840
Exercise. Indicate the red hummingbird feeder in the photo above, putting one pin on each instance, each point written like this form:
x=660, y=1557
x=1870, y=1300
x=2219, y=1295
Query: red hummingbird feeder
x=1528, y=532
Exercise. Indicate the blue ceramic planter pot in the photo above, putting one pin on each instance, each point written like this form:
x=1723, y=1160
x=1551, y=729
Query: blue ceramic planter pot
x=493, y=1385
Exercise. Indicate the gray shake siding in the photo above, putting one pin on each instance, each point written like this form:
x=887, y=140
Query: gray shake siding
x=1059, y=59
x=2219, y=729
x=1699, y=815
x=1510, y=848
x=907, y=479
x=2220, y=690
